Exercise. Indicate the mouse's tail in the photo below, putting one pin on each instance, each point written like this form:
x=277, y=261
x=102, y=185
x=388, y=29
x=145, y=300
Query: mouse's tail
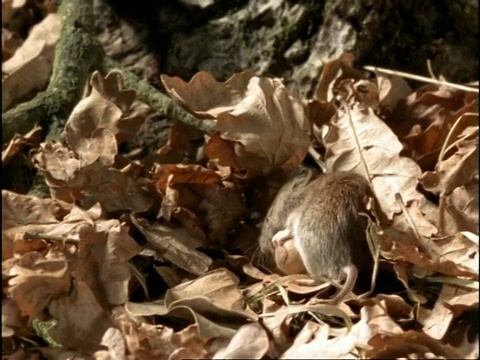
x=352, y=274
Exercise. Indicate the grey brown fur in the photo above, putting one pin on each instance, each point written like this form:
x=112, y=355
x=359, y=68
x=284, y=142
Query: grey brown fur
x=328, y=231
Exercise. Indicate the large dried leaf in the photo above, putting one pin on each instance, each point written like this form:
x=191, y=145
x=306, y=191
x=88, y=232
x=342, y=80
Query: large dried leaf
x=22, y=214
x=410, y=343
x=380, y=149
x=333, y=72
x=87, y=174
x=19, y=142
x=220, y=286
x=108, y=106
x=21, y=210
x=260, y=126
x=81, y=315
x=102, y=263
x=358, y=138
x=250, y=342
x=37, y=280
x=143, y=341
x=29, y=69
x=193, y=189
x=206, y=97
x=437, y=321
x=456, y=180
x=211, y=320
x=175, y=245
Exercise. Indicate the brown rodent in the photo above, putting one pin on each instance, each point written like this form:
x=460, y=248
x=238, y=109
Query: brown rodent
x=288, y=198
x=328, y=230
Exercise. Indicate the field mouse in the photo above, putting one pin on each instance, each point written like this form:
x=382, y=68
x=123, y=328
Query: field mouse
x=327, y=229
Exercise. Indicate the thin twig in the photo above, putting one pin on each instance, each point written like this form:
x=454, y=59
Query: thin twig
x=421, y=78
x=39, y=236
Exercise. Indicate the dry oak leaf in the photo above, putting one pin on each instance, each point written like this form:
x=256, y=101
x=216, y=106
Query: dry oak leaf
x=455, y=179
x=429, y=105
x=259, y=125
x=391, y=90
x=250, y=342
x=19, y=142
x=446, y=263
x=357, y=137
x=425, y=146
x=37, y=280
x=103, y=252
x=26, y=213
x=21, y=210
x=87, y=174
x=108, y=106
x=333, y=72
x=437, y=321
x=143, y=341
x=175, y=245
x=410, y=344
x=315, y=341
x=220, y=286
x=193, y=189
x=459, y=250
x=30, y=67
x=82, y=322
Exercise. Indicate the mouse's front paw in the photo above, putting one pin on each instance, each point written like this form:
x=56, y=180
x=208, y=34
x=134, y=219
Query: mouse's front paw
x=281, y=237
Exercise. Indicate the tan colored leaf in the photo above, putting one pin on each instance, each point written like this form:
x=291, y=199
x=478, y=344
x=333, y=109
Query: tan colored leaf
x=206, y=97
x=189, y=344
x=380, y=148
x=143, y=341
x=19, y=210
x=250, y=342
x=459, y=250
x=260, y=126
x=220, y=286
x=26, y=213
x=438, y=320
x=456, y=181
x=175, y=245
x=82, y=323
x=425, y=145
x=358, y=137
x=193, y=189
x=38, y=279
x=108, y=106
x=88, y=176
x=104, y=250
x=212, y=320
x=100, y=147
x=422, y=225
x=391, y=89
x=169, y=174
x=333, y=72
x=410, y=343
x=30, y=67
x=19, y=142
x=313, y=341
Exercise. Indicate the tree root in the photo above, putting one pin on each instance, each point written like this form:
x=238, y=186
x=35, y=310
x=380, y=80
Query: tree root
x=77, y=54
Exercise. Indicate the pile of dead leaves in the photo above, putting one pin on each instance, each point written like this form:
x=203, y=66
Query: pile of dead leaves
x=150, y=257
